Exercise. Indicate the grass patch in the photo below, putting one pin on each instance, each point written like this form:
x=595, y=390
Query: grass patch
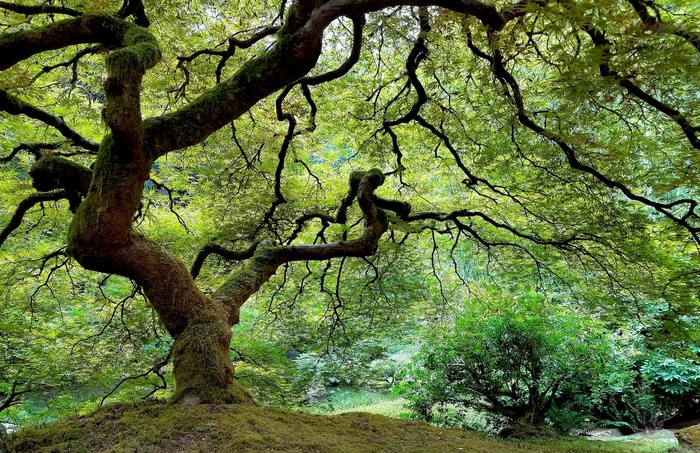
x=158, y=428
x=343, y=400
x=582, y=445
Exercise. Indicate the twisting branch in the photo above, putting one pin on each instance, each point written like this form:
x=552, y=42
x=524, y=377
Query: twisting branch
x=282, y=154
x=125, y=70
x=358, y=26
x=210, y=249
x=418, y=53
x=399, y=207
x=15, y=106
x=32, y=10
x=292, y=124
x=27, y=204
x=265, y=261
x=602, y=43
x=85, y=29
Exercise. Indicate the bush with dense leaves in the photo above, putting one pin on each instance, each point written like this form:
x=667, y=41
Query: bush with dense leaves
x=531, y=362
x=517, y=362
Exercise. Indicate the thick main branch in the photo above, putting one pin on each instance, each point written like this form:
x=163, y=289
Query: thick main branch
x=85, y=29
x=266, y=260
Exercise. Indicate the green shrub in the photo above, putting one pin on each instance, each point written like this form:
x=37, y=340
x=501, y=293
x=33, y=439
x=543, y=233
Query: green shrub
x=518, y=363
x=640, y=389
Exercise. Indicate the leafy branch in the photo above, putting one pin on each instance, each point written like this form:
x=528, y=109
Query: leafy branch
x=496, y=61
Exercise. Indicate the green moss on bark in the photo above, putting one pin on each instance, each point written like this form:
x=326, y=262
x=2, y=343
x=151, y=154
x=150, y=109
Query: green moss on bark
x=377, y=176
x=202, y=364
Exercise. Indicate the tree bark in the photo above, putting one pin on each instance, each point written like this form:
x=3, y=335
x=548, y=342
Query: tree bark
x=201, y=360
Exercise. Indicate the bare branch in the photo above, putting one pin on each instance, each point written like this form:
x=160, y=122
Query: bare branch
x=27, y=204
x=210, y=249
x=15, y=106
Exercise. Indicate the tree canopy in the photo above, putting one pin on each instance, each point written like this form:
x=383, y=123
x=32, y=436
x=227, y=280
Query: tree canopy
x=200, y=148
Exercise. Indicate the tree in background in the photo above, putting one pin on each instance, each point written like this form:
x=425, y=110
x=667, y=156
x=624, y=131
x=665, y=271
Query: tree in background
x=559, y=134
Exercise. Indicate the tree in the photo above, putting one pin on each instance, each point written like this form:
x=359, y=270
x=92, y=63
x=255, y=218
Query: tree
x=553, y=131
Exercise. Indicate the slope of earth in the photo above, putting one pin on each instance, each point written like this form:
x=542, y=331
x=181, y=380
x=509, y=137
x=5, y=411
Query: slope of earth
x=155, y=427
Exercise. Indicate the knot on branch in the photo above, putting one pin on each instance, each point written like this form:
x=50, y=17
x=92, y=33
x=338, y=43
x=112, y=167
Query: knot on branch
x=364, y=183
x=376, y=221
x=56, y=172
x=375, y=176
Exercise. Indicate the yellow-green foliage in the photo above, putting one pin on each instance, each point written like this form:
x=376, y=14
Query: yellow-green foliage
x=155, y=427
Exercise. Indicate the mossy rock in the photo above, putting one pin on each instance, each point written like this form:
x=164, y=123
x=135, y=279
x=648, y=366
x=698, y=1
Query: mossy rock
x=689, y=437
